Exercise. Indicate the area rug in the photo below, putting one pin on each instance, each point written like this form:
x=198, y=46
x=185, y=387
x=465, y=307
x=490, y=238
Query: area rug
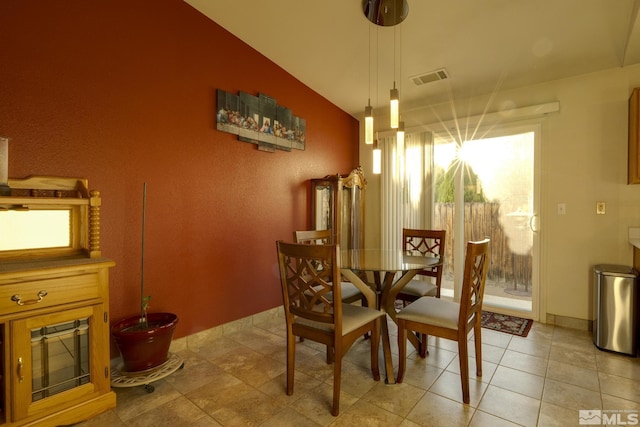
x=507, y=324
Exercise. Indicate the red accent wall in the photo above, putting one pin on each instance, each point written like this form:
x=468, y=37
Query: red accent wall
x=122, y=92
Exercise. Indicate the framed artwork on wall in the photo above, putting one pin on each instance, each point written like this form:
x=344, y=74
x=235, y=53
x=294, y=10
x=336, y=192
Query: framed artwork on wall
x=259, y=120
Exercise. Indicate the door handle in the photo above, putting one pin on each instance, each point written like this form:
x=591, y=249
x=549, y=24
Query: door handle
x=531, y=223
x=20, y=376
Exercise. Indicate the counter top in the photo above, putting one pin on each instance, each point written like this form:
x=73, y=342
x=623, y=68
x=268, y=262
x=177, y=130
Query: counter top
x=634, y=236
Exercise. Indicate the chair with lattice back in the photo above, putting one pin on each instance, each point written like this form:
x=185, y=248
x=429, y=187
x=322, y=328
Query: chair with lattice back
x=429, y=243
x=350, y=293
x=448, y=319
x=308, y=274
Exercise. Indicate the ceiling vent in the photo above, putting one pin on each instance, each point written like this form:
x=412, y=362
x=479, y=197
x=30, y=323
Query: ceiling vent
x=429, y=77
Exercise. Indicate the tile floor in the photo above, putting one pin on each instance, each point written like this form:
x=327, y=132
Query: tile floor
x=238, y=380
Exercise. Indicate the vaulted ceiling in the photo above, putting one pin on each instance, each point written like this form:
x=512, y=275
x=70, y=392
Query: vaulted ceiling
x=483, y=45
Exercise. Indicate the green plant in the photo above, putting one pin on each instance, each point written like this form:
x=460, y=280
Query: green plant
x=444, y=186
x=144, y=305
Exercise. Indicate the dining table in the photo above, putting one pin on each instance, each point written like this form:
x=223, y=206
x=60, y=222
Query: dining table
x=391, y=271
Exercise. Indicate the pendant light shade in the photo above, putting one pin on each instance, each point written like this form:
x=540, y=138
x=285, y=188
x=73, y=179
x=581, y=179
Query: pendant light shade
x=368, y=124
x=377, y=159
x=394, y=112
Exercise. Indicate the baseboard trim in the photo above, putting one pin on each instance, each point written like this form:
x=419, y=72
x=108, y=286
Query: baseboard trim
x=568, y=322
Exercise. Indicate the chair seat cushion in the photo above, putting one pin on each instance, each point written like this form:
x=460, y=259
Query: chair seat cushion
x=353, y=316
x=349, y=290
x=420, y=288
x=433, y=311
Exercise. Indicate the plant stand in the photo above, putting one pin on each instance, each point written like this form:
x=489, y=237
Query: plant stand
x=121, y=378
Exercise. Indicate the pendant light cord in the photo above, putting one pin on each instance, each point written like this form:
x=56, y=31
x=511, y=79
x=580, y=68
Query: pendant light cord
x=394, y=55
x=369, y=64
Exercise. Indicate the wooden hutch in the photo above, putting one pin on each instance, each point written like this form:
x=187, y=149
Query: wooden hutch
x=337, y=203
x=54, y=304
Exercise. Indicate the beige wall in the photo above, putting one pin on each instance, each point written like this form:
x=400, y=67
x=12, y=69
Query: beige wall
x=583, y=160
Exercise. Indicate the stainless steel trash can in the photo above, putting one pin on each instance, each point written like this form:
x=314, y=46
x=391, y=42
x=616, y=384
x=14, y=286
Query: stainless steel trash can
x=615, y=308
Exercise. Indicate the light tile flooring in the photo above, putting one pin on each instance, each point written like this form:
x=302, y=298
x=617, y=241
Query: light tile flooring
x=239, y=380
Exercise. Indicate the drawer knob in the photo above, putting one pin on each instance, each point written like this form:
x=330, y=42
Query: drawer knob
x=18, y=299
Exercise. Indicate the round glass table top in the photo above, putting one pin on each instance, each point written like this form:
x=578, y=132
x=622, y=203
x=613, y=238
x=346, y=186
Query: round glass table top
x=384, y=260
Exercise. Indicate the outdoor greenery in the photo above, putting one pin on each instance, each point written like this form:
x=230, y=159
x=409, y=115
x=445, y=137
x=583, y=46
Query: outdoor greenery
x=444, y=186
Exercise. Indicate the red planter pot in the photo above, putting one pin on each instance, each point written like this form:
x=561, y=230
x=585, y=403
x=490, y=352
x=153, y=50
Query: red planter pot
x=144, y=348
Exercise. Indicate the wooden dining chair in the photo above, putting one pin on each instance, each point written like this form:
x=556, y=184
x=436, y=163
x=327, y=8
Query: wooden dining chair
x=448, y=319
x=350, y=292
x=307, y=275
x=429, y=243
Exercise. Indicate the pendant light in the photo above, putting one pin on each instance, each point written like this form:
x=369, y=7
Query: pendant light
x=368, y=124
x=394, y=96
x=388, y=13
x=377, y=158
x=385, y=13
x=394, y=106
x=368, y=110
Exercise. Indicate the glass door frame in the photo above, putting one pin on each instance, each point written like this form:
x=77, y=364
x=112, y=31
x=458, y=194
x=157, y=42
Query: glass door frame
x=459, y=245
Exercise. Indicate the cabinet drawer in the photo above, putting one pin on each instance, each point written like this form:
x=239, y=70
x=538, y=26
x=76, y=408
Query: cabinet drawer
x=29, y=295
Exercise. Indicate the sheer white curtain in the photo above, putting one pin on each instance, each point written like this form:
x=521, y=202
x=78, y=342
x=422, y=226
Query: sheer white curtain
x=405, y=187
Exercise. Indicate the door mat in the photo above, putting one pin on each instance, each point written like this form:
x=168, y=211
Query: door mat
x=508, y=324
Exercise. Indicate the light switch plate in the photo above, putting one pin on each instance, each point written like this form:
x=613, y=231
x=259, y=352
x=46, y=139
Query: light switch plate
x=600, y=208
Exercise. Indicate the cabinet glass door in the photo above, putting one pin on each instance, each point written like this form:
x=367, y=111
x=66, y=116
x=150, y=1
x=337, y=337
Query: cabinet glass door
x=323, y=198
x=51, y=359
x=60, y=356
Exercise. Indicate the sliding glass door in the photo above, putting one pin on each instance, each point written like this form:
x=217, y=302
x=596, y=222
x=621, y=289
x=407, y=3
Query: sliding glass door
x=486, y=187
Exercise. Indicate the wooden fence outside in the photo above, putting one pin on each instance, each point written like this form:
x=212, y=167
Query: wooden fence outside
x=481, y=221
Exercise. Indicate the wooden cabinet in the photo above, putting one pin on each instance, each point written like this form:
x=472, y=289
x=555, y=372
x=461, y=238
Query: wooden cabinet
x=634, y=137
x=54, y=309
x=337, y=203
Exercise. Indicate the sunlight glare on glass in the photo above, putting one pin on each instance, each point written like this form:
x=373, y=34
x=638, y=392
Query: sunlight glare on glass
x=444, y=154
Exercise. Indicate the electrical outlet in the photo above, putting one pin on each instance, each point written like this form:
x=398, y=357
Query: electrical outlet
x=600, y=208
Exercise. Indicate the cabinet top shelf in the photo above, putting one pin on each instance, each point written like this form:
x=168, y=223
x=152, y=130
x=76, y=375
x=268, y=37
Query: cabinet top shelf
x=53, y=263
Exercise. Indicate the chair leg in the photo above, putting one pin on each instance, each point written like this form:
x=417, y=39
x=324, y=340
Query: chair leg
x=463, y=355
x=477, y=337
x=402, y=350
x=365, y=303
x=337, y=369
x=329, y=355
x=423, y=345
x=291, y=354
x=375, y=346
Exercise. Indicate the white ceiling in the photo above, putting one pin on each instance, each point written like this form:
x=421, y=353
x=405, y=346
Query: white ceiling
x=484, y=45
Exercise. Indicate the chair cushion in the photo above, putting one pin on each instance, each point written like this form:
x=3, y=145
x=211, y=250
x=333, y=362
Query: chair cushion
x=349, y=290
x=353, y=316
x=432, y=311
x=420, y=288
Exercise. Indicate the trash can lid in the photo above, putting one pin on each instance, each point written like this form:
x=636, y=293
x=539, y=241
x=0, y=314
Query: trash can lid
x=615, y=270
